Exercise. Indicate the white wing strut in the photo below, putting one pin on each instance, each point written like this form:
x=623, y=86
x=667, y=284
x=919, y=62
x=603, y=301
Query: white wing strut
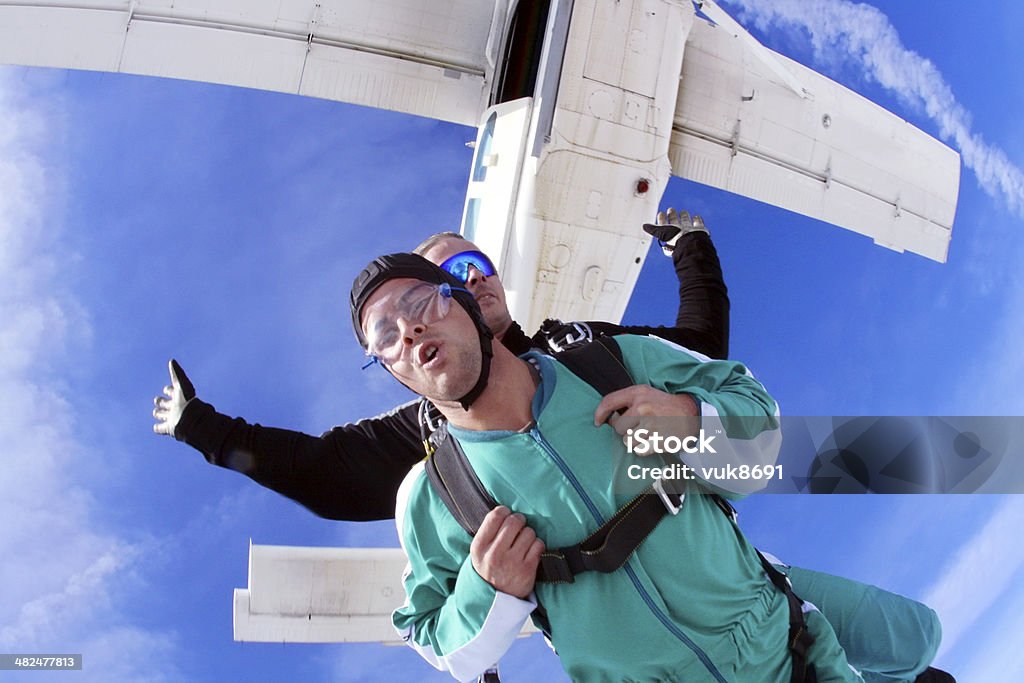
x=767, y=57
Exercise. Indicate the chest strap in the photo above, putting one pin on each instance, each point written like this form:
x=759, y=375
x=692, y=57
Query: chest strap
x=608, y=548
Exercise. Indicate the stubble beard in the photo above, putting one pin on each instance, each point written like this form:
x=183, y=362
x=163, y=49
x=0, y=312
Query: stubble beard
x=497, y=317
x=459, y=377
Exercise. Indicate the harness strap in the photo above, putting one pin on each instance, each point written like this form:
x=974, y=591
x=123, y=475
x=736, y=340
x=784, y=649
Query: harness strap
x=800, y=640
x=608, y=548
x=598, y=363
x=452, y=477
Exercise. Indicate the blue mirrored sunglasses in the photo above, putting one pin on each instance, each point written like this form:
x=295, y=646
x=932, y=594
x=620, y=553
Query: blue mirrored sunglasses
x=458, y=265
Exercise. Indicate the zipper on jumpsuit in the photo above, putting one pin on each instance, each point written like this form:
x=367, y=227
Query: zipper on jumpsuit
x=662, y=617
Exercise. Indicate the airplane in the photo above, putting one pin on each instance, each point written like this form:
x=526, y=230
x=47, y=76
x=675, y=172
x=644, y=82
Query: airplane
x=583, y=110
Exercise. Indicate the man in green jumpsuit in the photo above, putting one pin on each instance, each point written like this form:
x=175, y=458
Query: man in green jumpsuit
x=691, y=603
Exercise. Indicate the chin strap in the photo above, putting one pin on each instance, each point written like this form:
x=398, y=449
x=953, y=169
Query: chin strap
x=486, y=353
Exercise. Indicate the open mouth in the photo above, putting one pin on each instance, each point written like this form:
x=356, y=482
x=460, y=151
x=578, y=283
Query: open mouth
x=427, y=353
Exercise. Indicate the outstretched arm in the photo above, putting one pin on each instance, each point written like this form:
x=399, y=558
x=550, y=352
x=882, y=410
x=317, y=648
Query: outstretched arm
x=349, y=473
x=702, y=321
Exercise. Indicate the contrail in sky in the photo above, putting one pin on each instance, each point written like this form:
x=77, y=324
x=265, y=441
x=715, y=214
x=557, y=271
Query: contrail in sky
x=865, y=35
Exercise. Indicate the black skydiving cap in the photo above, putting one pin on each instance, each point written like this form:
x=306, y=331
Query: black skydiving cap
x=395, y=266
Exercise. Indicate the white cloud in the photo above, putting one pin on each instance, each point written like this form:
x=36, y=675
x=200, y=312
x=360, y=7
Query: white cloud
x=82, y=592
x=999, y=656
x=980, y=574
x=867, y=37
x=127, y=653
x=61, y=569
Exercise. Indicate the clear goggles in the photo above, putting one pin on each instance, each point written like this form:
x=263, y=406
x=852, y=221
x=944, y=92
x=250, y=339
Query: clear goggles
x=421, y=304
x=458, y=265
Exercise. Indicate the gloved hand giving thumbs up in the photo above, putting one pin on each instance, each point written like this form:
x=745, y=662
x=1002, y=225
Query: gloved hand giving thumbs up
x=169, y=407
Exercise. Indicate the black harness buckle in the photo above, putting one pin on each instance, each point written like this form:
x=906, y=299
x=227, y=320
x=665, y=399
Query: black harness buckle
x=562, y=336
x=666, y=499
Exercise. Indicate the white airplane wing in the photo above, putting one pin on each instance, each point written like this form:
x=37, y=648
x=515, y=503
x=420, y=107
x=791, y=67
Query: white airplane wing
x=755, y=123
x=321, y=595
x=426, y=58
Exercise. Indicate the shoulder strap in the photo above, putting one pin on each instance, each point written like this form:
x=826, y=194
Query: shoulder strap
x=598, y=363
x=455, y=481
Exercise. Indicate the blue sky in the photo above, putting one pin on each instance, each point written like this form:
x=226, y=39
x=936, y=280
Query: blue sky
x=142, y=219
